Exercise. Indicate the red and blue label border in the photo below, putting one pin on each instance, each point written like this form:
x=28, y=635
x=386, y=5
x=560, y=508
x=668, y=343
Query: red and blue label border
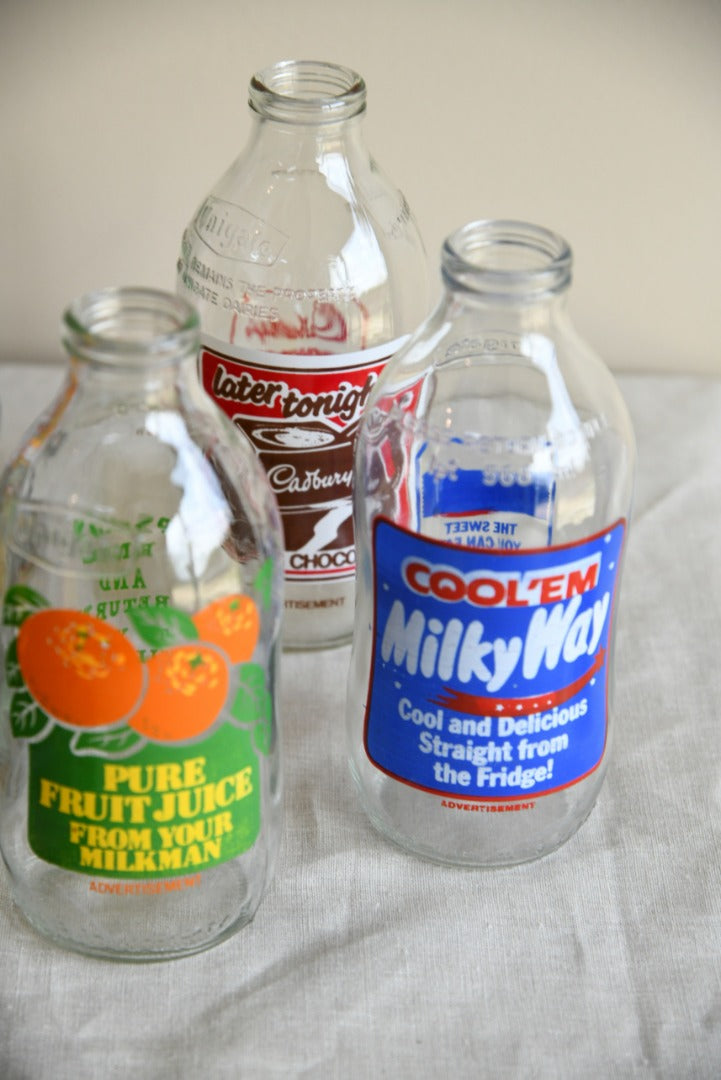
x=535, y=726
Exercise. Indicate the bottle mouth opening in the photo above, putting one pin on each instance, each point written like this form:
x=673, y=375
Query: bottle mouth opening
x=133, y=326
x=307, y=91
x=507, y=258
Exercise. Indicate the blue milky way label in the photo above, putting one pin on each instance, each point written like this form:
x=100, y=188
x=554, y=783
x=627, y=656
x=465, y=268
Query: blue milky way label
x=490, y=667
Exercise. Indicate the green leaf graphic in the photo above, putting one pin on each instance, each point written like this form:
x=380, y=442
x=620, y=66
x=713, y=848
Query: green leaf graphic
x=252, y=701
x=13, y=674
x=20, y=602
x=264, y=582
x=27, y=719
x=116, y=743
x=162, y=626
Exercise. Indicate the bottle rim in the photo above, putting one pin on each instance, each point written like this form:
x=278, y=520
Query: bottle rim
x=506, y=258
x=307, y=91
x=131, y=325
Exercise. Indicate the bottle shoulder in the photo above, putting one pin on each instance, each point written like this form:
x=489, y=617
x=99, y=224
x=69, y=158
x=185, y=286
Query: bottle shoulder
x=559, y=374
x=333, y=214
x=465, y=414
x=299, y=233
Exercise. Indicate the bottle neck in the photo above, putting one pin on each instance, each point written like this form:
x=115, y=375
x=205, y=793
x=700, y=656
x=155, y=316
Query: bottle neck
x=521, y=270
x=132, y=334
x=307, y=107
x=307, y=93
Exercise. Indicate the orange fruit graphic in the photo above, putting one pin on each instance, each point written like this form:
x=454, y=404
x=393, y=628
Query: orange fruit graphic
x=187, y=688
x=233, y=623
x=79, y=669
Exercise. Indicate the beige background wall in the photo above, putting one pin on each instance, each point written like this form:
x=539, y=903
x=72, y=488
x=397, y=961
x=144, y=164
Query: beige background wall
x=598, y=118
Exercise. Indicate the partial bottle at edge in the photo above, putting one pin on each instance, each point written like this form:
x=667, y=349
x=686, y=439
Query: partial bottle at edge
x=493, y=483
x=308, y=272
x=140, y=554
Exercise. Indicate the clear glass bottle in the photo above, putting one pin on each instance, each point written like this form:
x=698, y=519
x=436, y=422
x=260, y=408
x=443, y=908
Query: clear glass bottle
x=140, y=787
x=493, y=483
x=308, y=272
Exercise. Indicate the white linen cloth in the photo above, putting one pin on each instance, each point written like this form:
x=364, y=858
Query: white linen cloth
x=601, y=960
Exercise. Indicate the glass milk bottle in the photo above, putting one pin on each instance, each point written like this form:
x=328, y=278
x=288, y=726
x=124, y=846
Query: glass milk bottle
x=493, y=483
x=308, y=271
x=142, y=567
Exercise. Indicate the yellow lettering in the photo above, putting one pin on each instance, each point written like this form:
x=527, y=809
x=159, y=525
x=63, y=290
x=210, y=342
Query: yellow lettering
x=139, y=839
x=96, y=836
x=71, y=801
x=222, y=823
x=48, y=792
x=91, y=857
x=193, y=856
x=168, y=776
x=165, y=776
x=116, y=775
x=170, y=860
x=166, y=836
x=243, y=782
x=144, y=861
x=194, y=769
x=166, y=810
x=77, y=831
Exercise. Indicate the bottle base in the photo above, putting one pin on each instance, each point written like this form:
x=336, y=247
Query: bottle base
x=130, y=956
x=140, y=954
x=455, y=836
x=472, y=861
x=133, y=922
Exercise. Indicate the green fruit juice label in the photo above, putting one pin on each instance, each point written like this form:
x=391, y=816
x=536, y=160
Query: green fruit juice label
x=151, y=814
x=143, y=762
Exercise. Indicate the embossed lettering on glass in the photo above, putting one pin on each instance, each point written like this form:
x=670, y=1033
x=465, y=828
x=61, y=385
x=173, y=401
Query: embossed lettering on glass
x=142, y=567
x=308, y=271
